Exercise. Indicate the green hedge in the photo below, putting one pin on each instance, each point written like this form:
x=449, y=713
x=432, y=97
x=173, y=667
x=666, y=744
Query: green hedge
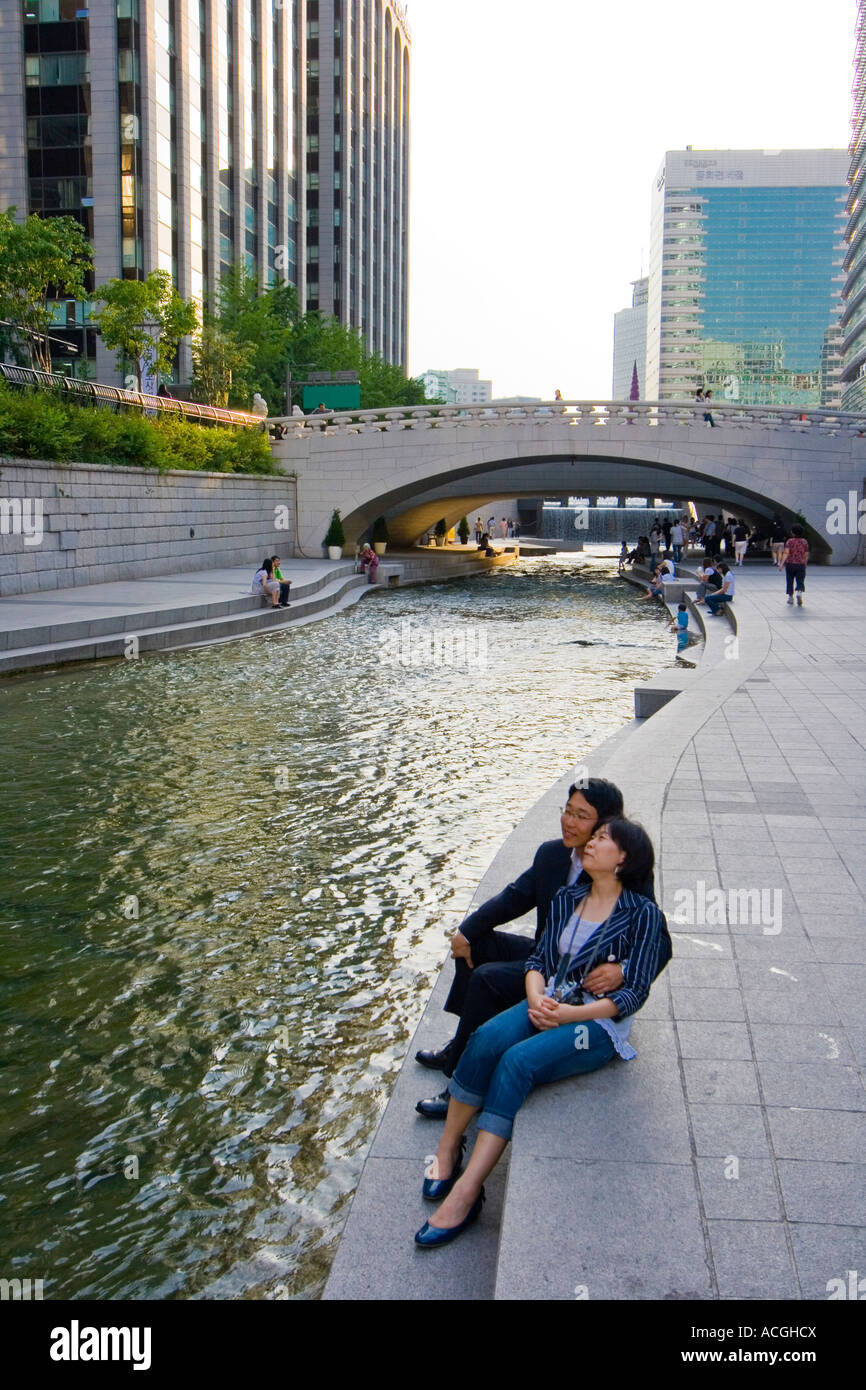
x=39, y=425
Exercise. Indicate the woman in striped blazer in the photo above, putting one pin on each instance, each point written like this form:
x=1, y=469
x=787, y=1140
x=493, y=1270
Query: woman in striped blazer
x=561, y=1029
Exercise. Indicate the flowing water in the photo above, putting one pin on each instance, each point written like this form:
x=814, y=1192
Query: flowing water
x=227, y=879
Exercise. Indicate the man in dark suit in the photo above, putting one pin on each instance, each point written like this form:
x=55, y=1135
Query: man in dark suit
x=489, y=964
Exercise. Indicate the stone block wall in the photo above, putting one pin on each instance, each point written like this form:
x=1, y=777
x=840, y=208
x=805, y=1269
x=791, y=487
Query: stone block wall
x=64, y=525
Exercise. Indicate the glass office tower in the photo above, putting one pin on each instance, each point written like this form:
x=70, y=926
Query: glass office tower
x=746, y=276
x=172, y=131
x=854, y=314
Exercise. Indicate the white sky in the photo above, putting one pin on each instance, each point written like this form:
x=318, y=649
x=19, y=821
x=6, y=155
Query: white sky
x=537, y=130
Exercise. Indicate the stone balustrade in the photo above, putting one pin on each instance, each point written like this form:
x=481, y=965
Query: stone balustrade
x=575, y=414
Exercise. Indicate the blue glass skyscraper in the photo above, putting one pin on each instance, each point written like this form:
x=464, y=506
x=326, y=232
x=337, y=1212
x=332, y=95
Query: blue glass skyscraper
x=746, y=276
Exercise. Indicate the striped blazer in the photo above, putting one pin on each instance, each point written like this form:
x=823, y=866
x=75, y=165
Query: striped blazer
x=635, y=936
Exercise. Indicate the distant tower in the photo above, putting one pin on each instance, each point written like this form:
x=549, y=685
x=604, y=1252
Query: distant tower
x=629, y=342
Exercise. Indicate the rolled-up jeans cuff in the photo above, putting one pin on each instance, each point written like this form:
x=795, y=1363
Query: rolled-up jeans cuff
x=495, y=1124
x=465, y=1097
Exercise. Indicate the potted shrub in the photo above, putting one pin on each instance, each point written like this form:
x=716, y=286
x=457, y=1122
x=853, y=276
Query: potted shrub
x=463, y=530
x=336, y=537
x=380, y=535
x=441, y=531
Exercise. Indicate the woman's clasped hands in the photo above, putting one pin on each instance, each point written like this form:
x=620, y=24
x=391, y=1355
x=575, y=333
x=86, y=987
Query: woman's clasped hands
x=545, y=1012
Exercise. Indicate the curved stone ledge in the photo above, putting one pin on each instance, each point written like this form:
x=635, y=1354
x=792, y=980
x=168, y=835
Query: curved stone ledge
x=375, y=1258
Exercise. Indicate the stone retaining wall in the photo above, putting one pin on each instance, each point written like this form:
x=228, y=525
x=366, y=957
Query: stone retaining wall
x=64, y=525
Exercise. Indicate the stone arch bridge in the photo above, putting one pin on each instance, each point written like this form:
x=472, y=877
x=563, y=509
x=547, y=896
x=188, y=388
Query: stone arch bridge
x=415, y=465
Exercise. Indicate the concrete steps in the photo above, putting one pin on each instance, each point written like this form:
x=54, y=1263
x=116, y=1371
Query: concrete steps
x=171, y=629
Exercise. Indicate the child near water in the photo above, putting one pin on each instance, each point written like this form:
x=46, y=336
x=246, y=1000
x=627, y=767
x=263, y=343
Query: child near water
x=680, y=626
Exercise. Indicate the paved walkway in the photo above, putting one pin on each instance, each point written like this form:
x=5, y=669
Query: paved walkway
x=86, y=602
x=729, y=1159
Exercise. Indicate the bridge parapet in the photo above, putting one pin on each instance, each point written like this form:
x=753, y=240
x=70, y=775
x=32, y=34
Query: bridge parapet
x=579, y=414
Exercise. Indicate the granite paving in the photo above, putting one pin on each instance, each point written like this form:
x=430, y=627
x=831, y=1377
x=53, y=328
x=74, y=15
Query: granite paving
x=728, y=1160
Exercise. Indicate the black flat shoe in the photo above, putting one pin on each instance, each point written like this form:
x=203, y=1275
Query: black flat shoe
x=437, y=1061
x=437, y=1189
x=436, y=1108
x=430, y=1236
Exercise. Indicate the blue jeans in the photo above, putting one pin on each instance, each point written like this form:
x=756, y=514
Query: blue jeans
x=508, y=1056
x=678, y=554
x=715, y=601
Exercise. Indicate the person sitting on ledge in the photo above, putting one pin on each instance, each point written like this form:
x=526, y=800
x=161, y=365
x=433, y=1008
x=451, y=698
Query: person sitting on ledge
x=562, y=1028
x=725, y=594
x=661, y=576
x=285, y=584
x=484, y=545
x=489, y=964
x=264, y=584
x=368, y=559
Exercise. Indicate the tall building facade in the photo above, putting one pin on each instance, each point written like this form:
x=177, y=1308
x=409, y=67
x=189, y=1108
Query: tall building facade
x=746, y=275
x=629, y=344
x=194, y=135
x=356, y=99
x=853, y=374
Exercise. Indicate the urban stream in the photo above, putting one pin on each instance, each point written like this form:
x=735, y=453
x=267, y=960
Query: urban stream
x=227, y=879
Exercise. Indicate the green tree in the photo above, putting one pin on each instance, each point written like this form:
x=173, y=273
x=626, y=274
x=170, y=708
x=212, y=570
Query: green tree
x=261, y=321
x=218, y=359
x=324, y=344
x=42, y=258
x=143, y=321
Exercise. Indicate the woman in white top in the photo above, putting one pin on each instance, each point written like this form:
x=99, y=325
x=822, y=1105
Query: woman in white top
x=723, y=595
x=264, y=584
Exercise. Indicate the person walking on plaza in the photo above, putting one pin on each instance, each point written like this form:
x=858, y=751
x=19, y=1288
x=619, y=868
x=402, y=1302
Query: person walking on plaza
x=503, y=529
x=741, y=541
x=708, y=536
x=795, y=558
x=479, y=530
x=708, y=415
x=677, y=540
x=778, y=536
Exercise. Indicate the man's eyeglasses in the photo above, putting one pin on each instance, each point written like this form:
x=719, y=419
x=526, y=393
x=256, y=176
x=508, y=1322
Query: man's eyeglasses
x=568, y=814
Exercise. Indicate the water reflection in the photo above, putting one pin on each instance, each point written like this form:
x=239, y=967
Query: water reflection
x=225, y=898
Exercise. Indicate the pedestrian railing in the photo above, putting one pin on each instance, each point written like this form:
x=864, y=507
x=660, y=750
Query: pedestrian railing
x=99, y=394
x=574, y=414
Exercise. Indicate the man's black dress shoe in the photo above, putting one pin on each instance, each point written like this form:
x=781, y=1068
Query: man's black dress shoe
x=430, y=1236
x=436, y=1108
x=437, y=1061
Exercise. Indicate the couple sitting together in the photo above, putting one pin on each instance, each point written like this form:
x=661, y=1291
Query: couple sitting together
x=538, y=1010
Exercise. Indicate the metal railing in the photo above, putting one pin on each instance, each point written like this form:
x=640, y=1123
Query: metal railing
x=573, y=414
x=95, y=392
